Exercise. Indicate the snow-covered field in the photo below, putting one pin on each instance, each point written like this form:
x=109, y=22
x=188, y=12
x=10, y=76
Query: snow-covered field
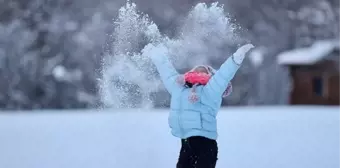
x=251, y=137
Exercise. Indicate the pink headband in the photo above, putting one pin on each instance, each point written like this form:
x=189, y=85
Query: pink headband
x=211, y=71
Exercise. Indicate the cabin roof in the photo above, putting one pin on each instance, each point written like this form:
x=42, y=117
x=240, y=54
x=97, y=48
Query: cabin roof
x=308, y=55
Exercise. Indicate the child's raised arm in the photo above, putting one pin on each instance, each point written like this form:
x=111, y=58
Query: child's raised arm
x=219, y=81
x=159, y=56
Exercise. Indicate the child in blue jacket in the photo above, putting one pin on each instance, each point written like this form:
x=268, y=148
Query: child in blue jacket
x=194, y=105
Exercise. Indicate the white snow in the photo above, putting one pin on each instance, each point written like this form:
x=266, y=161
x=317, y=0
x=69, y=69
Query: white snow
x=250, y=137
x=205, y=33
x=256, y=56
x=63, y=74
x=309, y=55
x=59, y=72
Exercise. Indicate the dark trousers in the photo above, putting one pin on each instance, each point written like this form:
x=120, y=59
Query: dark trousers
x=198, y=152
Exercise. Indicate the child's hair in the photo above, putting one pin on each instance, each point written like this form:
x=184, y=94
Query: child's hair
x=211, y=71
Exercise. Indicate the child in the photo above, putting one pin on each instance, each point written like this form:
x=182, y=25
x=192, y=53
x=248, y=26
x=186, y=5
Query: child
x=196, y=98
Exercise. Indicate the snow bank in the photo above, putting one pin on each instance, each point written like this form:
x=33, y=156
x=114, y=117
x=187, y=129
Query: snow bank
x=309, y=55
x=252, y=137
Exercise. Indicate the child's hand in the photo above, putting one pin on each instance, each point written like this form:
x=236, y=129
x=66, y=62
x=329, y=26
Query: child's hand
x=239, y=55
x=153, y=34
x=152, y=50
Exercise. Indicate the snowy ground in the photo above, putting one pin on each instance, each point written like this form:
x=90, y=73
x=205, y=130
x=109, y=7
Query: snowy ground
x=261, y=137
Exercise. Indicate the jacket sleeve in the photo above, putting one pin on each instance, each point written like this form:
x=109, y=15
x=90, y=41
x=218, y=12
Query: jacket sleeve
x=220, y=80
x=166, y=71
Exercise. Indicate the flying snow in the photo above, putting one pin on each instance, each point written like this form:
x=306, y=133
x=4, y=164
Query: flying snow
x=128, y=77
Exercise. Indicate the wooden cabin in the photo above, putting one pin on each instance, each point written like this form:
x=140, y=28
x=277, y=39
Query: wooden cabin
x=315, y=73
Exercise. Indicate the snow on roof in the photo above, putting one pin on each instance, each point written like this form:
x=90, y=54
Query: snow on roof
x=309, y=55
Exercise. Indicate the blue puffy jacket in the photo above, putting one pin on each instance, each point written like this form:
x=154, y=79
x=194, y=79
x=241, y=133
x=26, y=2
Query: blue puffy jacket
x=198, y=118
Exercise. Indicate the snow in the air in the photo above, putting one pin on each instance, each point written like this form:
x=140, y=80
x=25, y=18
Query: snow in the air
x=203, y=35
x=249, y=137
x=308, y=55
x=256, y=57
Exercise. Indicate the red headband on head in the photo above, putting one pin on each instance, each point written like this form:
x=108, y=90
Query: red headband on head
x=196, y=78
x=201, y=78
